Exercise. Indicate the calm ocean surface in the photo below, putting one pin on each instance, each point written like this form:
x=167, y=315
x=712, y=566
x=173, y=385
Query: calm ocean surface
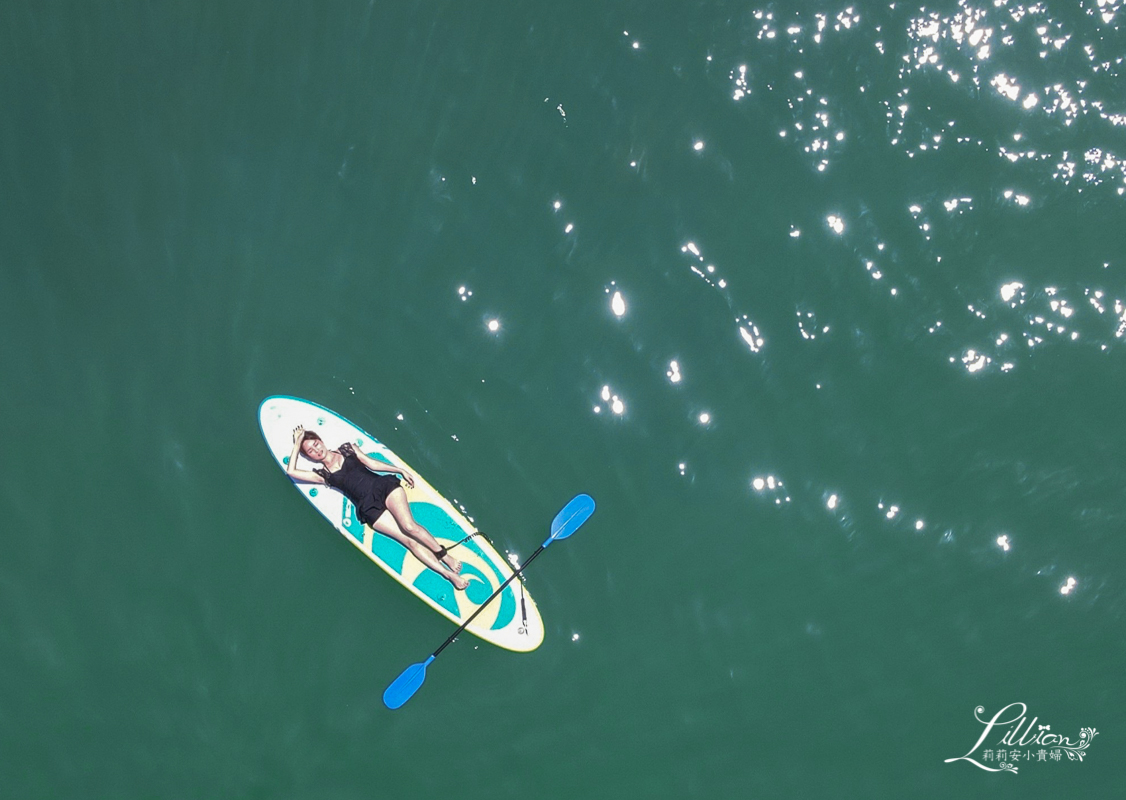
x=825, y=305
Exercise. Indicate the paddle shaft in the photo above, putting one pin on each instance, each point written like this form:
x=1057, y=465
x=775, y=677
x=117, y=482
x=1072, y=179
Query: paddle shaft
x=492, y=597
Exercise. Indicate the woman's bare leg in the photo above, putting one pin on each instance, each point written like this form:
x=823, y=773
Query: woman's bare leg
x=401, y=510
x=387, y=525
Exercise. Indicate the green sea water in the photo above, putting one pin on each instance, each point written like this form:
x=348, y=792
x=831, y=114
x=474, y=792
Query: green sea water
x=822, y=303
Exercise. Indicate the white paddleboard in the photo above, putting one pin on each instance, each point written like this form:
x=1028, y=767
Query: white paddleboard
x=511, y=620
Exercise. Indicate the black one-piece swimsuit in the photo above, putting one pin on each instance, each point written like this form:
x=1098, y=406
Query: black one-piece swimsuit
x=367, y=491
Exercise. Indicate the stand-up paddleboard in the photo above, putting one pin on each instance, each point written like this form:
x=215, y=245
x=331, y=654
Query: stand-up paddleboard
x=511, y=621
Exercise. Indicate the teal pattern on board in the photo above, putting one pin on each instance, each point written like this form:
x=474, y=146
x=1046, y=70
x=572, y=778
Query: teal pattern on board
x=438, y=522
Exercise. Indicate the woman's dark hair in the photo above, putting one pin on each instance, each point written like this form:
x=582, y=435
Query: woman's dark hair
x=311, y=435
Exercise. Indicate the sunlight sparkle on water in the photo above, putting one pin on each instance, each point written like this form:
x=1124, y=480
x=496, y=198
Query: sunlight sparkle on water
x=741, y=87
x=1009, y=291
x=771, y=486
x=750, y=334
x=975, y=361
x=617, y=405
x=958, y=44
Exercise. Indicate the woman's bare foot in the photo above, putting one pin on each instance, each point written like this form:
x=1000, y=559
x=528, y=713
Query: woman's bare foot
x=458, y=581
x=452, y=563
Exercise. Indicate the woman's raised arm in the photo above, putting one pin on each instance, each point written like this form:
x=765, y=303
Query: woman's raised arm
x=291, y=465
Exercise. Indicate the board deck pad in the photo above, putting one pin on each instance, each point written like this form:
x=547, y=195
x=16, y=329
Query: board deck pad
x=502, y=623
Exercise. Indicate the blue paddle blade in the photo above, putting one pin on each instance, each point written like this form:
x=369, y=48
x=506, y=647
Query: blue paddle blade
x=573, y=515
x=403, y=687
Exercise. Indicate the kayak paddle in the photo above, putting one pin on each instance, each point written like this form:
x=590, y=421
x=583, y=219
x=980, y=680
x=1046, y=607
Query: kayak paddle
x=566, y=522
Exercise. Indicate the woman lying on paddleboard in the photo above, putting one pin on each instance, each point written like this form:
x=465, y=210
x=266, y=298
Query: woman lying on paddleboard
x=379, y=499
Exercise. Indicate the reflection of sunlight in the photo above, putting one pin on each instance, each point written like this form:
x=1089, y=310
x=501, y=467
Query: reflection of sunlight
x=975, y=361
x=741, y=87
x=770, y=485
x=750, y=333
x=890, y=512
x=958, y=45
x=747, y=329
x=1010, y=290
x=618, y=304
x=1057, y=320
x=616, y=404
x=954, y=202
x=964, y=65
x=1005, y=86
x=969, y=37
